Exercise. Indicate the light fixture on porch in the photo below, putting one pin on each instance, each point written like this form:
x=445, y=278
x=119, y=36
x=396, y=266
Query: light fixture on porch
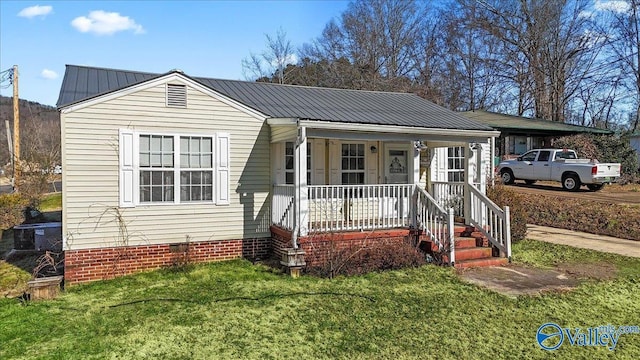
x=374, y=149
x=420, y=146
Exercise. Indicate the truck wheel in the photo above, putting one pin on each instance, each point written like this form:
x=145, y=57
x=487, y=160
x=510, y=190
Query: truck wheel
x=595, y=187
x=507, y=176
x=529, y=182
x=571, y=182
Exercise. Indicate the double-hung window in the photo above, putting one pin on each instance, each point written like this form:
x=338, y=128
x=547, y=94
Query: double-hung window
x=156, y=161
x=455, y=164
x=196, y=168
x=173, y=168
x=353, y=164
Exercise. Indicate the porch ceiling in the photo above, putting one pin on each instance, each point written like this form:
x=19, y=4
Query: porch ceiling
x=350, y=131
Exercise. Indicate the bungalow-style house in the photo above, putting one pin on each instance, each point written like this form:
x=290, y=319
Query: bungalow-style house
x=167, y=168
x=520, y=134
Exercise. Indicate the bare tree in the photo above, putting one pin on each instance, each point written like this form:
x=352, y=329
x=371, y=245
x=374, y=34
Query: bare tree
x=272, y=62
x=554, y=40
x=625, y=45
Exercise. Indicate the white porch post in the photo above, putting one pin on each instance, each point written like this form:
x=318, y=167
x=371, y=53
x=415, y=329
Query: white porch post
x=415, y=173
x=300, y=183
x=468, y=175
x=492, y=170
x=414, y=179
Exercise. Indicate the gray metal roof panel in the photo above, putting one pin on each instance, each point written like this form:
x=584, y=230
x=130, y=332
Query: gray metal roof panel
x=285, y=101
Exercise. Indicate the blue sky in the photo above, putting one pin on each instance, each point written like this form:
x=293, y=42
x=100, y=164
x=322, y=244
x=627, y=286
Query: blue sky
x=203, y=38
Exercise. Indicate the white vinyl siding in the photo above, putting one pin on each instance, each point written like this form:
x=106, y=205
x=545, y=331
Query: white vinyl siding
x=93, y=175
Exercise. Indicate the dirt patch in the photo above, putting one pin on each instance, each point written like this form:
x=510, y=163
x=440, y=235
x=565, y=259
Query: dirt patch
x=514, y=280
x=598, y=271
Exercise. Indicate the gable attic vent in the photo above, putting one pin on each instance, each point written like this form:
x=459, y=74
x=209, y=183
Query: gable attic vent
x=176, y=95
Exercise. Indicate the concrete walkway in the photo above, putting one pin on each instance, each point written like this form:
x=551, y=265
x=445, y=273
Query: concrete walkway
x=584, y=240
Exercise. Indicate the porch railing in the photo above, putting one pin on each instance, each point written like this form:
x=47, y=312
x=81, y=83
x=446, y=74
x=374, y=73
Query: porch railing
x=436, y=221
x=449, y=195
x=359, y=207
x=282, y=206
x=491, y=220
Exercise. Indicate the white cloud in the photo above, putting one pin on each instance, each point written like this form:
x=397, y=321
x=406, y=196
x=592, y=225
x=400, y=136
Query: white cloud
x=49, y=74
x=37, y=10
x=617, y=6
x=105, y=23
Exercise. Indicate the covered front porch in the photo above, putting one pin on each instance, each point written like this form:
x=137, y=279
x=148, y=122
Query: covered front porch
x=352, y=178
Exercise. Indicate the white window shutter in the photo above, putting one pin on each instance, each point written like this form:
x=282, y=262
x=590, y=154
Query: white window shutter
x=126, y=168
x=222, y=168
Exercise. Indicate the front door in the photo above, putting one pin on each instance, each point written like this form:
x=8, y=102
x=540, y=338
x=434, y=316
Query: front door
x=396, y=169
x=395, y=200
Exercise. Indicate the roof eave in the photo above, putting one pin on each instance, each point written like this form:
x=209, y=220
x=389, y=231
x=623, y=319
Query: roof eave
x=396, y=129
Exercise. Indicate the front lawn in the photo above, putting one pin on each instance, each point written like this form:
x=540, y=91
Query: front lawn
x=236, y=310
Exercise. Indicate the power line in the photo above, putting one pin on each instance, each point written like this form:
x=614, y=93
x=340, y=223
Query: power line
x=6, y=76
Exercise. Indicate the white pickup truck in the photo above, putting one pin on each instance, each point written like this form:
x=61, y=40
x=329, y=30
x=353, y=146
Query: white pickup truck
x=559, y=165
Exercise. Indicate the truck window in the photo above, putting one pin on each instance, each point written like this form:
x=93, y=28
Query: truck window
x=544, y=155
x=530, y=156
x=568, y=155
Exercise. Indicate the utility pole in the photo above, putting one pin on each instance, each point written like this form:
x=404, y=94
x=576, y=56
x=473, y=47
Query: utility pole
x=16, y=129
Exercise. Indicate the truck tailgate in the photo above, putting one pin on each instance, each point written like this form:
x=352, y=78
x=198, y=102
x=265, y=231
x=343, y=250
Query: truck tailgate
x=608, y=170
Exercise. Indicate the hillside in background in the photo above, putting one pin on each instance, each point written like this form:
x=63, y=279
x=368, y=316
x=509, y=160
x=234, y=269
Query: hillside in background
x=39, y=132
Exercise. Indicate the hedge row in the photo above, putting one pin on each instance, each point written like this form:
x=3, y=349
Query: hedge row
x=594, y=217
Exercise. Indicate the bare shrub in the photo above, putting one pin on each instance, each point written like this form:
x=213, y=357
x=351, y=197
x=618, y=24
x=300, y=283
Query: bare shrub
x=364, y=258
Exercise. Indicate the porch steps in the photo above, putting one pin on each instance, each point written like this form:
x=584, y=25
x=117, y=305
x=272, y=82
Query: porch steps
x=473, y=249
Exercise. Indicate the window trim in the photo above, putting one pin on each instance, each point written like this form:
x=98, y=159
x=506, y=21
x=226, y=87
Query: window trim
x=176, y=169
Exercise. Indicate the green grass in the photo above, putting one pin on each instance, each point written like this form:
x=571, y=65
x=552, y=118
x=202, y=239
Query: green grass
x=236, y=310
x=51, y=202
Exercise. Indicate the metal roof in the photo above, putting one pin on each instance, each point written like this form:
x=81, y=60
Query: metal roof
x=512, y=122
x=284, y=101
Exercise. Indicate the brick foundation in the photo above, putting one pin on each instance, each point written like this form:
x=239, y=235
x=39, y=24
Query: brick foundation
x=318, y=248
x=106, y=263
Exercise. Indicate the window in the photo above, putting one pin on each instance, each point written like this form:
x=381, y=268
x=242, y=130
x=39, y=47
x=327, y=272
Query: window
x=567, y=155
x=170, y=168
x=156, y=168
x=196, y=168
x=455, y=164
x=544, y=155
x=530, y=156
x=289, y=160
x=352, y=164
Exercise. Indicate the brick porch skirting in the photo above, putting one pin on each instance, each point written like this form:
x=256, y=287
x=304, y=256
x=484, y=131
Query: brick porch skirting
x=106, y=263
